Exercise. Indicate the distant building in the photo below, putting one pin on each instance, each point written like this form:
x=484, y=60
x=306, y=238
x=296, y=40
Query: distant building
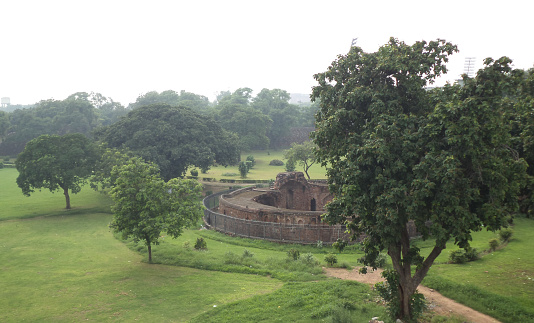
x=5, y=102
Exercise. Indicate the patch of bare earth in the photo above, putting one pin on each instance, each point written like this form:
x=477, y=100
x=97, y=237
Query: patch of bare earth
x=438, y=303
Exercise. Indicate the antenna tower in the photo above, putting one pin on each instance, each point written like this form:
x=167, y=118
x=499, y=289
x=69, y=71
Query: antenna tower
x=469, y=66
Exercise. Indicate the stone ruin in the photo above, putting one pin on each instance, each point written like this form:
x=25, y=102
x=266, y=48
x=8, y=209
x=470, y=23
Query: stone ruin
x=289, y=211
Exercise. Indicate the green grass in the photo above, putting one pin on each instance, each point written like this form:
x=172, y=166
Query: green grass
x=325, y=301
x=262, y=170
x=43, y=203
x=500, y=284
x=68, y=267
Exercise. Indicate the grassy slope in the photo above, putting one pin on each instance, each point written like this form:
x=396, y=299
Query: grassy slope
x=500, y=284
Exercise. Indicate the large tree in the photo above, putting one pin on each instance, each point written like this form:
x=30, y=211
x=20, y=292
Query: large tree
x=399, y=154
x=56, y=163
x=172, y=137
x=145, y=205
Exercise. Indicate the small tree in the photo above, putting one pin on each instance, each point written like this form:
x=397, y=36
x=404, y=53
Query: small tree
x=303, y=154
x=56, y=163
x=146, y=205
x=243, y=169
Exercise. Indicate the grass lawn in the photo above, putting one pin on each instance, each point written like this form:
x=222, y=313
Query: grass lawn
x=262, y=170
x=500, y=284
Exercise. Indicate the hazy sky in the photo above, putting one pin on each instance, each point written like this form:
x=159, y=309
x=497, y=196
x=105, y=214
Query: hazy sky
x=53, y=48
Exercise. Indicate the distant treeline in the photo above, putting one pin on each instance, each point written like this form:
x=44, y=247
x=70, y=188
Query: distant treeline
x=260, y=122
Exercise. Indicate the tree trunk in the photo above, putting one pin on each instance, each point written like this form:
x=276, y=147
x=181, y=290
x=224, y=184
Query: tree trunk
x=149, y=245
x=407, y=284
x=67, y=197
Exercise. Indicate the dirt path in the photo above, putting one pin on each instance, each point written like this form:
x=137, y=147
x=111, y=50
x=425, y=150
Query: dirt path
x=440, y=304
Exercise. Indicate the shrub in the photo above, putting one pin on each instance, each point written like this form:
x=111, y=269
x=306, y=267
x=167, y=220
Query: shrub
x=381, y=260
x=330, y=259
x=319, y=244
x=243, y=169
x=471, y=254
x=1, y=165
x=276, y=162
x=247, y=254
x=458, y=257
x=187, y=245
x=293, y=254
x=493, y=244
x=230, y=174
x=309, y=259
x=194, y=172
x=290, y=165
x=506, y=234
x=200, y=244
x=252, y=161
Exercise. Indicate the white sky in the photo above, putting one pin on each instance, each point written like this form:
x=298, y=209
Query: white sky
x=121, y=49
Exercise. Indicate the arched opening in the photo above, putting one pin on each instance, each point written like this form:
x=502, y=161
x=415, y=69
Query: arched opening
x=313, y=205
x=289, y=199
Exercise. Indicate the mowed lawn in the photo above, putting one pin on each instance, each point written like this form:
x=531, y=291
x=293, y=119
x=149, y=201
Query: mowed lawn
x=58, y=265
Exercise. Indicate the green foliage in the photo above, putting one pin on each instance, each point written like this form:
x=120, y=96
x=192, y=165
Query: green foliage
x=1, y=165
x=146, y=205
x=276, y=162
x=252, y=161
x=330, y=259
x=243, y=169
x=290, y=165
x=303, y=153
x=461, y=256
x=201, y=244
x=339, y=245
x=397, y=152
x=247, y=253
x=194, y=172
x=187, y=245
x=506, y=234
x=309, y=259
x=56, y=163
x=319, y=244
x=293, y=254
x=174, y=138
x=493, y=244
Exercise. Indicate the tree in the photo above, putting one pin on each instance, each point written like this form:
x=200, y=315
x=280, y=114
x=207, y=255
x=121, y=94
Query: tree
x=56, y=163
x=399, y=154
x=250, y=125
x=146, y=205
x=172, y=137
x=303, y=154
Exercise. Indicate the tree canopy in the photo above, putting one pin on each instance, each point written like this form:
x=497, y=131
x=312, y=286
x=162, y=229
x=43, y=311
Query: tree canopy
x=145, y=205
x=399, y=154
x=303, y=154
x=174, y=138
x=56, y=162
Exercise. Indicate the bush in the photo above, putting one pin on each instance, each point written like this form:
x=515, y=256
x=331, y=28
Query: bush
x=330, y=259
x=458, y=257
x=194, y=172
x=1, y=165
x=247, y=254
x=200, y=244
x=276, y=162
x=309, y=259
x=293, y=254
x=319, y=244
x=230, y=174
x=381, y=260
x=290, y=165
x=252, y=161
x=243, y=169
x=187, y=245
x=471, y=254
x=493, y=244
x=506, y=234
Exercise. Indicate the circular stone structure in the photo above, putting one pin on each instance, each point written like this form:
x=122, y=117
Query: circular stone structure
x=289, y=212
